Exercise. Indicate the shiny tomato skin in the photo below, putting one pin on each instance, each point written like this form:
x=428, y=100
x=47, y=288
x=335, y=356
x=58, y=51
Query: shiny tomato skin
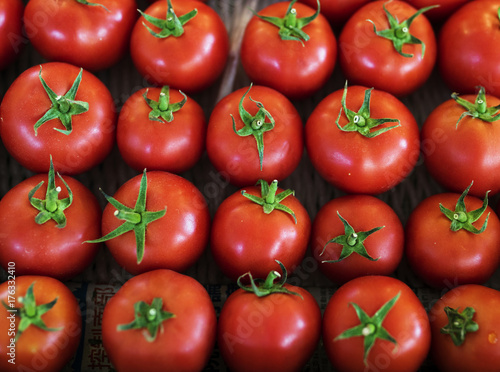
x=352, y=162
x=371, y=60
x=278, y=332
x=407, y=322
x=185, y=341
x=87, y=36
x=169, y=146
x=11, y=27
x=293, y=68
x=481, y=349
x=25, y=102
x=363, y=213
x=174, y=241
x=455, y=155
x=336, y=11
x=443, y=258
x=191, y=62
x=37, y=349
x=237, y=158
x=442, y=12
x=47, y=249
x=244, y=238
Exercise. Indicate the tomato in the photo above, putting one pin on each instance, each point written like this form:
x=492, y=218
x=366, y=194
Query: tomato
x=11, y=28
x=31, y=127
x=48, y=335
x=273, y=326
x=465, y=329
x=91, y=35
x=440, y=13
x=356, y=235
x=256, y=226
x=157, y=321
x=179, y=56
x=466, y=58
x=255, y=133
x=337, y=11
x=460, y=143
x=376, y=323
x=454, y=247
x=157, y=220
x=161, y=129
x=358, y=153
x=377, y=51
x=294, y=64
x=43, y=230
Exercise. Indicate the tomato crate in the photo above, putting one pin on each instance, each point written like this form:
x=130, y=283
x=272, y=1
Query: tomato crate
x=104, y=276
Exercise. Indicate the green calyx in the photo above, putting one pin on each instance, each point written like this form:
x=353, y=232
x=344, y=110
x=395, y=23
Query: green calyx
x=51, y=208
x=269, y=200
x=31, y=313
x=265, y=287
x=63, y=107
x=399, y=33
x=136, y=219
x=479, y=109
x=290, y=27
x=85, y=2
x=150, y=318
x=172, y=25
x=254, y=125
x=352, y=242
x=370, y=328
x=162, y=110
x=361, y=121
x=459, y=324
x=461, y=219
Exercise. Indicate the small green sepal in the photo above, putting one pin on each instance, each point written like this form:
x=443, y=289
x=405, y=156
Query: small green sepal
x=459, y=324
x=85, y=2
x=162, y=110
x=479, y=109
x=172, y=25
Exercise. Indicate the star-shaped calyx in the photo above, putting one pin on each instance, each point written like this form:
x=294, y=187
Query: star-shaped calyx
x=162, y=110
x=171, y=25
x=479, y=109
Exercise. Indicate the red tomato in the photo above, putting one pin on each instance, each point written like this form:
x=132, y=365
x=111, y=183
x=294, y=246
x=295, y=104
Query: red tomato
x=274, y=328
x=173, y=241
x=440, y=13
x=466, y=58
x=458, y=150
x=180, y=311
x=371, y=243
x=445, y=258
x=374, y=61
x=358, y=163
x=94, y=36
x=39, y=240
x=11, y=27
x=52, y=334
x=191, y=61
x=297, y=68
x=472, y=309
x=163, y=134
x=77, y=148
x=269, y=143
x=407, y=331
x=245, y=236
x=337, y=11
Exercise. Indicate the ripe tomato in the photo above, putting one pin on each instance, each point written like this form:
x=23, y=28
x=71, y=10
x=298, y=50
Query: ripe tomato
x=255, y=133
x=157, y=321
x=31, y=126
x=11, y=28
x=337, y=11
x=460, y=143
x=466, y=58
x=440, y=13
x=45, y=234
x=346, y=151
x=447, y=250
x=42, y=332
x=466, y=315
x=94, y=36
x=356, y=235
x=161, y=129
x=191, y=57
x=274, y=327
x=376, y=323
x=293, y=64
x=399, y=67
x=254, y=227
x=169, y=218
